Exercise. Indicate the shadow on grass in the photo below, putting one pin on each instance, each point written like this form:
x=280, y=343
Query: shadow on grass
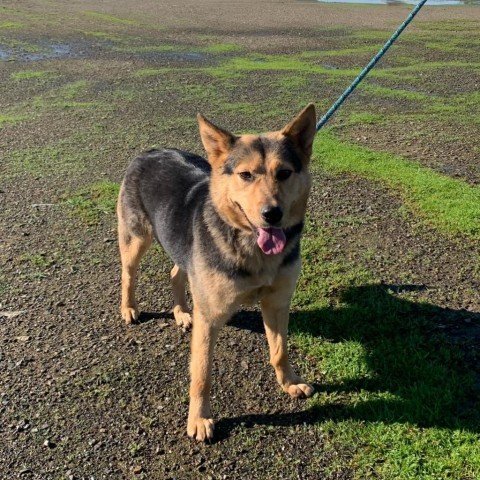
x=418, y=374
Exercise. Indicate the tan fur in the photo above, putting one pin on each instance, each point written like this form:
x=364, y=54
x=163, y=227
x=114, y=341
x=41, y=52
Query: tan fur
x=181, y=312
x=215, y=295
x=132, y=248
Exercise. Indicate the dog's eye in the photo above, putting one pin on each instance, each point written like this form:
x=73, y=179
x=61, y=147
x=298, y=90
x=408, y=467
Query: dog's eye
x=246, y=176
x=283, y=174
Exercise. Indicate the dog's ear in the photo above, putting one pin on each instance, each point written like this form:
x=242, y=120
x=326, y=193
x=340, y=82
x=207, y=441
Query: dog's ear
x=301, y=130
x=217, y=142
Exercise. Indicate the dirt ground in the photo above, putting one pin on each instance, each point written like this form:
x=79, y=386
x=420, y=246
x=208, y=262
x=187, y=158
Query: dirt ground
x=82, y=396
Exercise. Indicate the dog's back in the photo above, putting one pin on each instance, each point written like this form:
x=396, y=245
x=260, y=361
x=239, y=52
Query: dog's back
x=163, y=192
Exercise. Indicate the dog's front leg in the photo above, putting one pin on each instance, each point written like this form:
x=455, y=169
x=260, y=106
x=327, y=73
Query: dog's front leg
x=275, y=312
x=204, y=334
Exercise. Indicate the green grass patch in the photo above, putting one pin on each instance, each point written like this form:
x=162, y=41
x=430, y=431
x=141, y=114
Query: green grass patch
x=32, y=74
x=451, y=26
x=448, y=204
x=67, y=97
x=39, y=260
x=396, y=93
x=363, y=118
x=91, y=203
x=291, y=82
x=9, y=25
x=110, y=18
x=20, y=46
x=7, y=119
x=222, y=48
x=341, y=52
x=396, y=399
x=65, y=157
x=303, y=63
x=214, y=49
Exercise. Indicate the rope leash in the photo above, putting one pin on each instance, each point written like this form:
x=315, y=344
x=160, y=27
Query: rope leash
x=372, y=63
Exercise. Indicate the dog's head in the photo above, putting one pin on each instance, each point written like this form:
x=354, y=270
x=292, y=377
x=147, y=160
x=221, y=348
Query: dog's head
x=260, y=183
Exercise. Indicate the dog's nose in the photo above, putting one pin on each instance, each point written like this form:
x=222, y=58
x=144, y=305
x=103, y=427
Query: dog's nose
x=272, y=215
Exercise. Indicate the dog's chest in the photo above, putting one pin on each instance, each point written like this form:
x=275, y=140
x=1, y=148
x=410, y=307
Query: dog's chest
x=257, y=285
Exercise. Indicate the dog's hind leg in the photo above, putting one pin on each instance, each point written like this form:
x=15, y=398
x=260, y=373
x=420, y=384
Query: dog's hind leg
x=132, y=248
x=181, y=312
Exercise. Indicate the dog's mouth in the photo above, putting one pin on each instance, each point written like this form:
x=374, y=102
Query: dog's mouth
x=271, y=240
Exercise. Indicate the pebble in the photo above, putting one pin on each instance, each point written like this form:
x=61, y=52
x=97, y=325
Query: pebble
x=11, y=314
x=48, y=443
x=22, y=338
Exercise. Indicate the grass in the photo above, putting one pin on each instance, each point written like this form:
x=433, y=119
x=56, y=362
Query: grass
x=11, y=119
x=222, y=48
x=31, y=74
x=448, y=204
x=91, y=203
x=395, y=399
x=9, y=25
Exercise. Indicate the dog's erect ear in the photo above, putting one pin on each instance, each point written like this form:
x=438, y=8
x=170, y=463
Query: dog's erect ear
x=301, y=130
x=217, y=142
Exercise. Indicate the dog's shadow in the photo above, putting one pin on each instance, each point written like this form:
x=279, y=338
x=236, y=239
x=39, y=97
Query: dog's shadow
x=416, y=372
x=149, y=317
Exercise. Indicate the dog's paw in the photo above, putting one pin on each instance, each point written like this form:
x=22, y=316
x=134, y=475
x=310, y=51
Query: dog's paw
x=182, y=318
x=130, y=314
x=300, y=390
x=201, y=429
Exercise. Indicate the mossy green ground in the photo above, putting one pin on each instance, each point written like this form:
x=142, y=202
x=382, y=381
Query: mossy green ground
x=396, y=398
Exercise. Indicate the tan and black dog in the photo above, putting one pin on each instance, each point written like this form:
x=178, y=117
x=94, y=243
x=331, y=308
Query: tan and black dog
x=232, y=226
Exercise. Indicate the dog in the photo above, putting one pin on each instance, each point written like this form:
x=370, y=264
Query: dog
x=232, y=226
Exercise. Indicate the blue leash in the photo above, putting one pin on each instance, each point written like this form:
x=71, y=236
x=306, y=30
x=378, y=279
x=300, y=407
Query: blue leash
x=372, y=63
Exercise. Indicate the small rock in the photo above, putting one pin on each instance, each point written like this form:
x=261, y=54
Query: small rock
x=13, y=314
x=22, y=338
x=48, y=443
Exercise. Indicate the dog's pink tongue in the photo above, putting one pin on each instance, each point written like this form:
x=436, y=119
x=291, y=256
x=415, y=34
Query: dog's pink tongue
x=271, y=240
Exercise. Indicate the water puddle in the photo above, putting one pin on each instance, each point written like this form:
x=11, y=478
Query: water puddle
x=406, y=2
x=45, y=52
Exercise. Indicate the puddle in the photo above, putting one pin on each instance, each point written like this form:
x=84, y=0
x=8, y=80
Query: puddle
x=46, y=52
x=405, y=2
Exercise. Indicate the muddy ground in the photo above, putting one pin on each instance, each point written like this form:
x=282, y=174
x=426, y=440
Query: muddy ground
x=81, y=394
